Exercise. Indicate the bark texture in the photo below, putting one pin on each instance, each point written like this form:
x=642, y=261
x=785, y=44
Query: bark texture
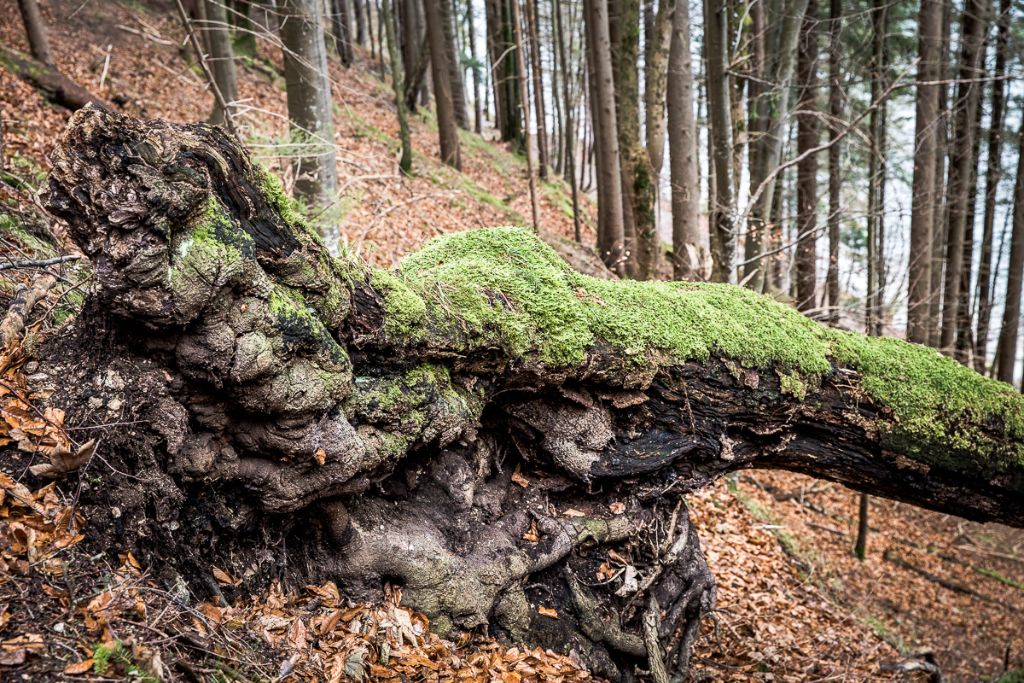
x=480, y=425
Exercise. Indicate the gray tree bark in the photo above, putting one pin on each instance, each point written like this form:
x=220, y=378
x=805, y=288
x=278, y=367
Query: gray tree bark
x=314, y=162
x=688, y=251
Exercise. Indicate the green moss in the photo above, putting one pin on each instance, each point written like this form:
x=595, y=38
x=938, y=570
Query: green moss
x=793, y=384
x=300, y=327
x=504, y=288
x=514, y=291
x=286, y=207
x=405, y=308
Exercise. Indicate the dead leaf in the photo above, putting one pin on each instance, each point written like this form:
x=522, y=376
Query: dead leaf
x=547, y=612
x=78, y=668
x=518, y=478
x=617, y=508
x=573, y=512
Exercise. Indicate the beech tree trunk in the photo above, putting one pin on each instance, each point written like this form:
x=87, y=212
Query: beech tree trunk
x=440, y=70
x=314, y=162
x=610, y=229
x=35, y=31
x=688, y=250
x=924, y=200
x=451, y=46
x=530, y=10
x=960, y=161
x=807, y=170
x=480, y=426
x=639, y=193
x=398, y=84
x=1006, y=357
x=993, y=175
x=835, y=182
x=772, y=114
x=721, y=218
x=222, y=58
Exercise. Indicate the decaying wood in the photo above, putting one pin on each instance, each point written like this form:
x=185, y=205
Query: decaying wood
x=303, y=416
x=54, y=86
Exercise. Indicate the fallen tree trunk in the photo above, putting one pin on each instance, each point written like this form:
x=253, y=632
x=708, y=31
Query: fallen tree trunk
x=54, y=86
x=482, y=425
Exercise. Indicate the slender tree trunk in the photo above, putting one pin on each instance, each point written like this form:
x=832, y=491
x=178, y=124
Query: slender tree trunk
x=721, y=218
x=538, y=88
x=398, y=83
x=993, y=175
x=342, y=27
x=876, y=173
x=478, y=113
x=655, y=75
x=774, y=110
x=35, y=31
x=807, y=170
x=524, y=100
x=961, y=155
x=357, y=8
x=447, y=126
x=923, y=199
x=639, y=191
x=860, y=546
x=835, y=110
x=309, y=109
x=611, y=239
x=1007, y=352
x=941, y=234
x=687, y=245
x=570, y=131
x=222, y=59
x=451, y=47
x=965, y=320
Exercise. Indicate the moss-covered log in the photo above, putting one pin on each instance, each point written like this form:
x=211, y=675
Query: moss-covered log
x=480, y=424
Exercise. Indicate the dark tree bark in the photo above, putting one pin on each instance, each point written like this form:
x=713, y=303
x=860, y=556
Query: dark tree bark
x=398, y=84
x=807, y=169
x=961, y=156
x=923, y=200
x=530, y=11
x=570, y=134
x=835, y=181
x=373, y=421
x=222, y=59
x=941, y=233
x=440, y=70
x=721, y=218
x=993, y=175
x=451, y=46
x=501, y=49
x=524, y=99
x=357, y=8
x=610, y=230
x=1006, y=357
x=310, y=120
x=341, y=24
x=873, y=311
x=35, y=31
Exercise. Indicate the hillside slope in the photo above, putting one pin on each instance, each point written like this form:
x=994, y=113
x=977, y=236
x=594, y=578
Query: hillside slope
x=793, y=602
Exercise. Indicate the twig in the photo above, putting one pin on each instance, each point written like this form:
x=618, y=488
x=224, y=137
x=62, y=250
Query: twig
x=39, y=263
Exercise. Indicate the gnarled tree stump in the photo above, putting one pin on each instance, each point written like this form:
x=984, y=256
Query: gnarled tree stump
x=480, y=425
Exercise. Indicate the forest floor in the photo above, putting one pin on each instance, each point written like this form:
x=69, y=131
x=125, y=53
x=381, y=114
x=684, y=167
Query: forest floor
x=794, y=604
